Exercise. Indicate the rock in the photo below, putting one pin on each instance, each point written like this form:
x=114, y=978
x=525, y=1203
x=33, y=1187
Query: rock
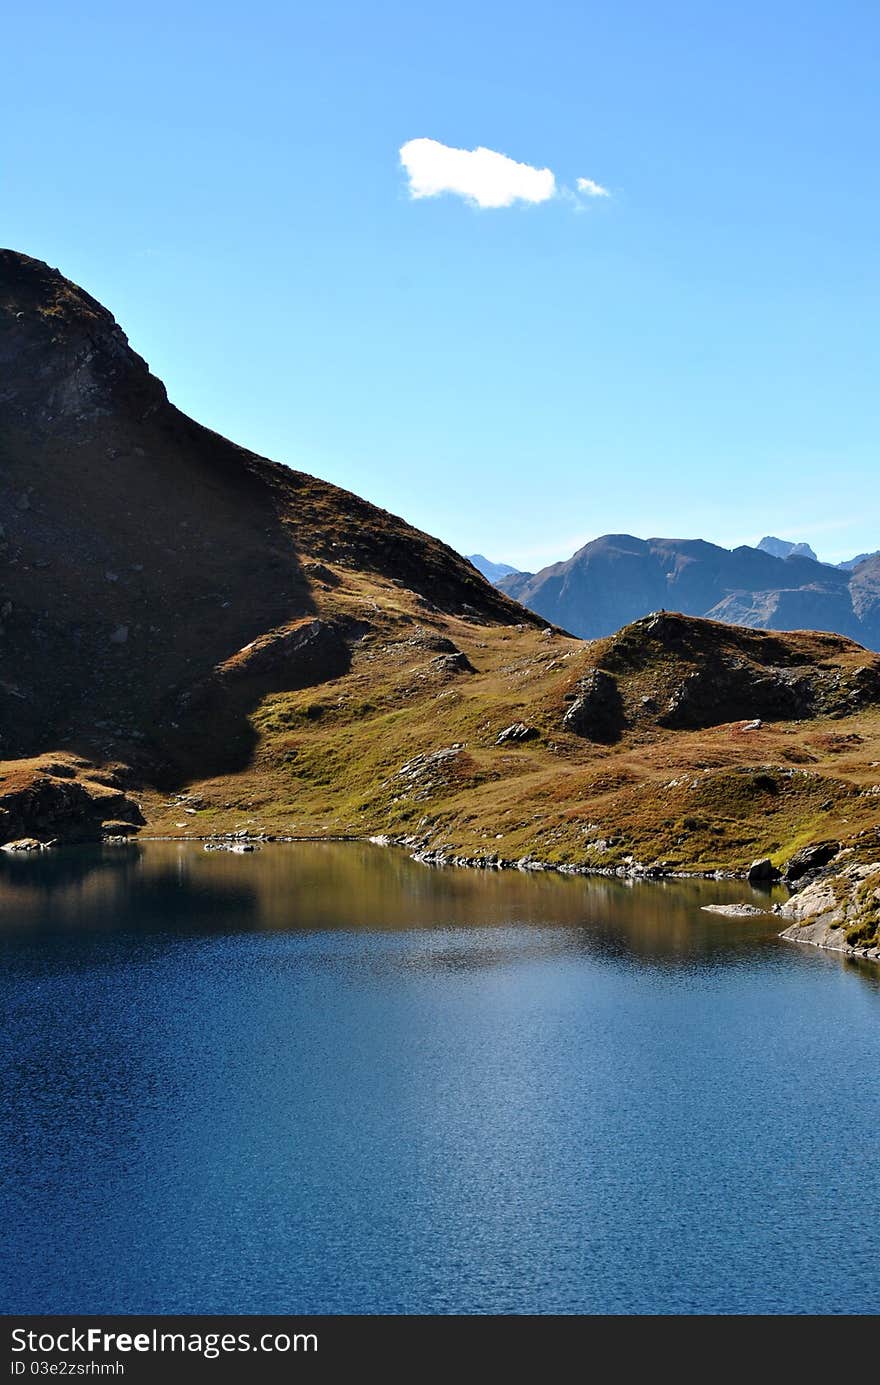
x=429, y=639
x=300, y=653
x=452, y=663
x=809, y=858
x=23, y=844
x=517, y=732
x=116, y=828
x=762, y=870
x=428, y=773
x=838, y=911
x=597, y=712
x=44, y=807
x=320, y=572
x=733, y=911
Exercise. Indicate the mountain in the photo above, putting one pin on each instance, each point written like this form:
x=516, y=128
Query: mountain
x=783, y=548
x=851, y=563
x=493, y=571
x=198, y=641
x=141, y=550
x=618, y=578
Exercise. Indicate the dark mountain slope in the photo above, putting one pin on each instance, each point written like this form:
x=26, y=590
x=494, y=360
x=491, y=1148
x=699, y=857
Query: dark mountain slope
x=618, y=578
x=139, y=549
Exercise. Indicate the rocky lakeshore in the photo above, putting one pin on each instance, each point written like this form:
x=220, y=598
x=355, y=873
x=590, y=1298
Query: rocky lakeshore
x=838, y=910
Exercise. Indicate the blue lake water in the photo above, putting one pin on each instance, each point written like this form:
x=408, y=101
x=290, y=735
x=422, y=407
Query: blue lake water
x=325, y=1079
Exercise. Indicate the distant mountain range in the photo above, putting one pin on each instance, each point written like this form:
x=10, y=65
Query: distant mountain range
x=784, y=548
x=851, y=563
x=618, y=578
x=494, y=571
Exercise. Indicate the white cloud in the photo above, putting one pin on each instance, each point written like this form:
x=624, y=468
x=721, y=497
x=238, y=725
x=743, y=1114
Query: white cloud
x=591, y=189
x=481, y=176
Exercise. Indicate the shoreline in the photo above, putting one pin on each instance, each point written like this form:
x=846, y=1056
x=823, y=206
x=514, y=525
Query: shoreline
x=813, y=929
x=634, y=871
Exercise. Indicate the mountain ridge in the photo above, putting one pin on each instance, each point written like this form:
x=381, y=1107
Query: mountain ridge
x=492, y=571
x=618, y=578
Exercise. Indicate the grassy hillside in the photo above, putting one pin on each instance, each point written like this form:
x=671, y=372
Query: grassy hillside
x=405, y=743
x=197, y=640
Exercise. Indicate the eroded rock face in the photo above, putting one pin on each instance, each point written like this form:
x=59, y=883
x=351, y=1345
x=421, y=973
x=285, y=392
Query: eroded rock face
x=47, y=808
x=722, y=691
x=63, y=358
x=809, y=858
x=597, y=711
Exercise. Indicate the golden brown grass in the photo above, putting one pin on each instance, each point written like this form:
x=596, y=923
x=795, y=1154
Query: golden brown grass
x=328, y=760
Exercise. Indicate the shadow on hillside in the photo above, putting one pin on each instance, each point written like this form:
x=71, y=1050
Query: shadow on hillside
x=209, y=731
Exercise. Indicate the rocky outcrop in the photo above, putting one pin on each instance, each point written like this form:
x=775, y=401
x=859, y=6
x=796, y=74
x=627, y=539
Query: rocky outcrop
x=808, y=860
x=516, y=733
x=40, y=804
x=306, y=652
x=452, y=663
x=839, y=910
x=688, y=674
x=734, y=911
x=723, y=691
x=596, y=711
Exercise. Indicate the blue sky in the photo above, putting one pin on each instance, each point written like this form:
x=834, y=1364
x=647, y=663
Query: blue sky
x=694, y=354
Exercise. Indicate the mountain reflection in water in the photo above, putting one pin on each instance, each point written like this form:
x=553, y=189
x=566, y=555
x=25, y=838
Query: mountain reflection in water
x=175, y=886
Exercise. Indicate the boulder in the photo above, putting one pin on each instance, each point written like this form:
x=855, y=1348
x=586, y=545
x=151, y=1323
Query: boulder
x=762, y=871
x=320, y=572
x=452, y=663
x=517, y=732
